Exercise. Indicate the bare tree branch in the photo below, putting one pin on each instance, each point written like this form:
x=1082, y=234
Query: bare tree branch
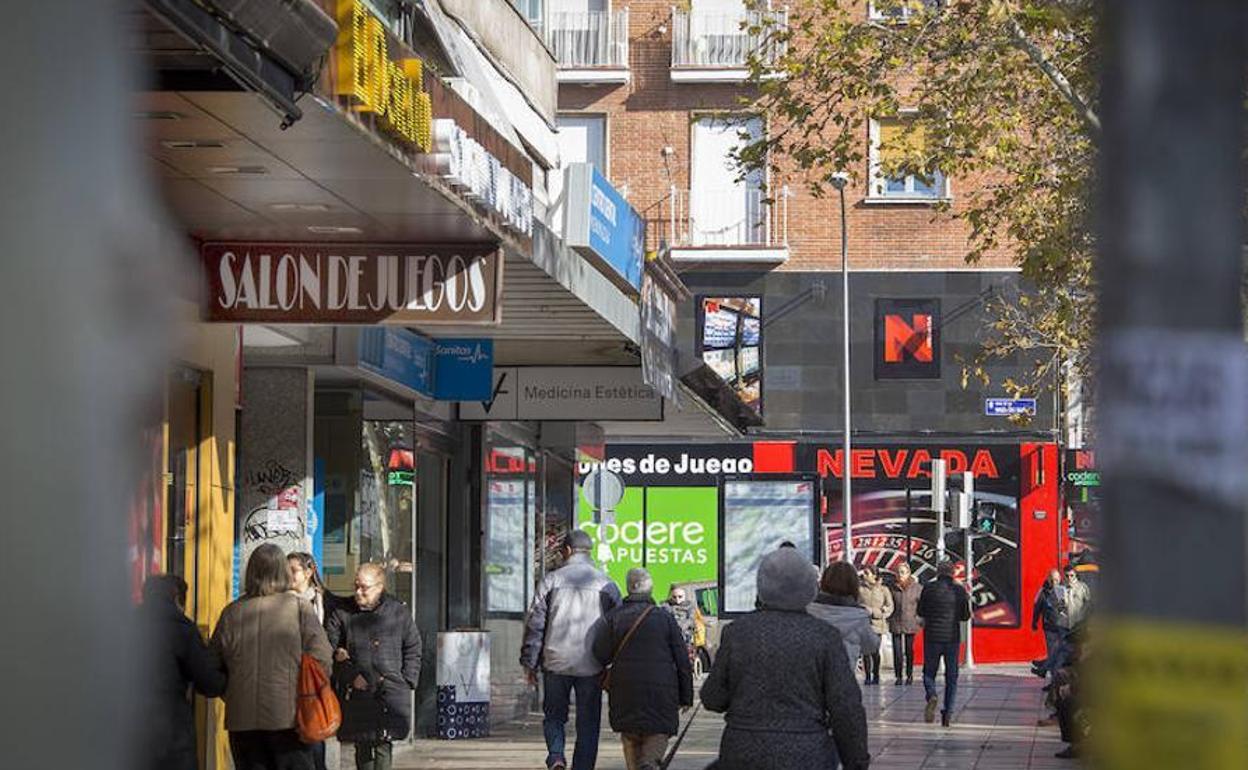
x=1090, y=119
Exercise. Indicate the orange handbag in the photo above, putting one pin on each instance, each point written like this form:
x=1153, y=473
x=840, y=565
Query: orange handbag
x=317, y=714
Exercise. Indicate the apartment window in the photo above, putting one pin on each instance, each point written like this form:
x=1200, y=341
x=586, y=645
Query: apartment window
x=532, y=12
x=901, y=10
x=891, y=140
x=582, y=139
x=725, y=209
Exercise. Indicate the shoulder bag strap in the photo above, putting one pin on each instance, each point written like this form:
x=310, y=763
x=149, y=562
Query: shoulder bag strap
x=624, y=642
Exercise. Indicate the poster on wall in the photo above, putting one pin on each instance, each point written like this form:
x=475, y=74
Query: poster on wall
x=505, y=547
x=463, y=681
x=894, y=521
x=758, y=516
x=730, y=342
x=671, y=531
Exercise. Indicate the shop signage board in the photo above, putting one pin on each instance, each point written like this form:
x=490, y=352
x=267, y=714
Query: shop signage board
x=907, y=339
x=349, y=283
x=464, y=369
x=603, y=227
x=567, y=393
x=658, y=338
x=399, y=355
x=1009, y=407
x=376, y=76
x=467, y=165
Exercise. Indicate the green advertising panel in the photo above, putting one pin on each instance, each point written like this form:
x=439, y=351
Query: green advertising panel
x=671, y=531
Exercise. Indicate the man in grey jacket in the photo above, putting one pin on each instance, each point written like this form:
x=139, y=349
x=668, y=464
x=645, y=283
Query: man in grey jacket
x=558, y=640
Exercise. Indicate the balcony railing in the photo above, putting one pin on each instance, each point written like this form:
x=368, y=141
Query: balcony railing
x=736, y=218
x=723, y=41
x=589, y=40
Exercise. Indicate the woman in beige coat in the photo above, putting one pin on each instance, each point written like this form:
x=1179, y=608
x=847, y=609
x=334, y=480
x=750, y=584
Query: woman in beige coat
x=877, y=600
x=262, y=637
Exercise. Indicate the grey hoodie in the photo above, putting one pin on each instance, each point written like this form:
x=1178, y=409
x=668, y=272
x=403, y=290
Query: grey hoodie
x=852, y=620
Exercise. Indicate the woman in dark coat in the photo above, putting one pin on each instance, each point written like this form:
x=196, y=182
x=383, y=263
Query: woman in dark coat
x=651, y=677
x=179, y=660
x=377, y=653
x=783, y=681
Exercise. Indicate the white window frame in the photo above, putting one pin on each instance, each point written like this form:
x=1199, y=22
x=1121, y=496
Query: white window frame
x=907, y=12
x=877, y=192
x=765, y=184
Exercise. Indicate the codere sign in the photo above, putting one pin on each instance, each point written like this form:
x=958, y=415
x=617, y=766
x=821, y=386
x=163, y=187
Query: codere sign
x=372, y=82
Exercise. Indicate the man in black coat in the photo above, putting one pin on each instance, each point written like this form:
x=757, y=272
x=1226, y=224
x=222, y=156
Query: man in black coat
x=650, y=674
x=377, y=653
x=181, y=661
x=943, y=605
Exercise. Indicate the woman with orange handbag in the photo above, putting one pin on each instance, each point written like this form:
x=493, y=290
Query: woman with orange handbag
x=262, y=638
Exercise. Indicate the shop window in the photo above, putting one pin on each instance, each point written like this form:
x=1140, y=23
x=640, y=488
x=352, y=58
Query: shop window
x=893, y=141
x=511, y=512
x=383, y=530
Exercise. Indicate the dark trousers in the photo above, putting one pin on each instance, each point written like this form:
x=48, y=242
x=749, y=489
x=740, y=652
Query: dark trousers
x=559, y=689
x=318, y=756
x=903, y=648
x=933, y=653
x=374, y=756
x=270, y=750
x=871, y=664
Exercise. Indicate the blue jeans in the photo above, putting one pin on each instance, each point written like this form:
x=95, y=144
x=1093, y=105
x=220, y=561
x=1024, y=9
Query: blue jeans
x=1053, y=647
x=933, y=652
x=559, y=689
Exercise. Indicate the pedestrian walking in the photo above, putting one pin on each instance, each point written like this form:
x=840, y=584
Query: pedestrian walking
x=1078, y=598
x=651, y=678
x=784, y=683
x=558, y=642
x=904, y=623
x=837, y=604
x=877, y=599
x=262, y=637
x=377, y=649
x=943, y=605
x=1049, y=612
x=688, y=618
x=179, y=661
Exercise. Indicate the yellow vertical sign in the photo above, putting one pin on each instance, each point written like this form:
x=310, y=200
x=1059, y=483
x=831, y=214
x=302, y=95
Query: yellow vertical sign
x=1170, y=695
x=372, y=82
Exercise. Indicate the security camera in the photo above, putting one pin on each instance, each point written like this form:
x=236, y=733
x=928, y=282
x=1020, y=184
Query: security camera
x=838, y=179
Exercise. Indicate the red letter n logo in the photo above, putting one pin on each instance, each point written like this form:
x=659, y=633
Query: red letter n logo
x=910, y=341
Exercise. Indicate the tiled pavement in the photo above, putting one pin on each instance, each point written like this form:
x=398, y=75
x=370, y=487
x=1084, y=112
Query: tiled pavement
x=994, y=729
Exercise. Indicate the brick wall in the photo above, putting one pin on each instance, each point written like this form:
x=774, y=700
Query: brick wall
x=651, y=112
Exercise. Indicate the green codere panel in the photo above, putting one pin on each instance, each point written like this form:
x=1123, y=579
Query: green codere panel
x=672, y=531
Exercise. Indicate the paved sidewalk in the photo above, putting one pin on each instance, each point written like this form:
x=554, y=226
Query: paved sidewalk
x=994, y=729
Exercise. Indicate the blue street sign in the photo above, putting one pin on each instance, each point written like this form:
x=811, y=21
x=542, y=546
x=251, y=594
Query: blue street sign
x=1008, y=407
x=464, y=369
x=400, y=355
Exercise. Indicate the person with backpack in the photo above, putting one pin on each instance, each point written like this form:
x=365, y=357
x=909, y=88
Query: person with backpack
x=262, y=637
x=558, y=638
x=377, y=648
x=179, y=660
x=944, y=606
x=648, y=672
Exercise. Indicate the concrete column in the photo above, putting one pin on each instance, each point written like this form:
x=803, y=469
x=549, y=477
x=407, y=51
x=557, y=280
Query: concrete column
x=275, y=461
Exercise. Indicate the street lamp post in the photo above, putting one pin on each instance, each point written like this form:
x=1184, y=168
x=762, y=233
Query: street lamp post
x=839, y=180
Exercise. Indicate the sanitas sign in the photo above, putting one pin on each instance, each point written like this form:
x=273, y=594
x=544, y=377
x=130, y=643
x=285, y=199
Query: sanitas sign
x=567, y=393
x=336, y=283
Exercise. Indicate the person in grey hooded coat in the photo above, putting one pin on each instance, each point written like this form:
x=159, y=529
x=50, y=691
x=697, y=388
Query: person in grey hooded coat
x=783, y=681
x=837, y=605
